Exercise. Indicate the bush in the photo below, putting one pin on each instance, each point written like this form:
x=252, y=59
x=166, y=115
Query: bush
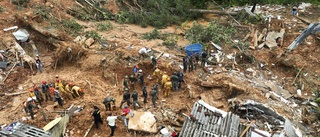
x=170, y=41
x=72, y=26
x=20, y=2
x=42, y=11
x=105, y=26
x=92, y=34
x=154, y=34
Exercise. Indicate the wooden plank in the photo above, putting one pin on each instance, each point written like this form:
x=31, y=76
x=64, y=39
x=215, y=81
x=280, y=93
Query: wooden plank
x=247, y=128
x=88, y=131
x=51, y=124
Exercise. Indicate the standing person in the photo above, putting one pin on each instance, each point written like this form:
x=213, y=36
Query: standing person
x=167, y=87
x=154, y=62
x=294, y=10
x=30, y=106
x=164, y=78
x=157, y=73
x=196, y=56
x=96, y=116
x=107, y=102
x=154, y=97
x=39, y=64
x=143, y=52
x=112, y=123
x=174, y=81
x=126, y=98
x=204, y=58
x=185, y=64
x=38, y=94
x=135, y=99
x=125, y=113
x=57, y=96
x=45, y=90
x=135, y=69
x=191, y=63
x=132, y=80
x=180, y=78
x=51, y=90
x=140, y=78
x=145, y=95
x=125, y=82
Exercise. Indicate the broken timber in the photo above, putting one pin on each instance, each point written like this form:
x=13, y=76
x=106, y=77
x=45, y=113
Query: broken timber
x=213, y=12
x=88, y=131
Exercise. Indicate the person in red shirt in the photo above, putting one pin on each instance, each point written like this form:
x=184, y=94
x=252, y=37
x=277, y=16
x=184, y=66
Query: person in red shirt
x=51, y=90
x=125, y=112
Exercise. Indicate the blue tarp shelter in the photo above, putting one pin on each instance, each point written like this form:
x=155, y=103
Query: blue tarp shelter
x=193, y=48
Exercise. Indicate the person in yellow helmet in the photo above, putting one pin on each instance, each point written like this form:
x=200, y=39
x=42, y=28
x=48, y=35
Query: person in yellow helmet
x=167, y=87
x=68, y=90
x=170, y=65
x=157, y=73
x=31, y=93
x=77, y=91
x=164, y=78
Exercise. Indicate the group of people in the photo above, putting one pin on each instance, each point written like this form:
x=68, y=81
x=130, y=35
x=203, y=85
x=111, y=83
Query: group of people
x=191, y=62
x=50, y=92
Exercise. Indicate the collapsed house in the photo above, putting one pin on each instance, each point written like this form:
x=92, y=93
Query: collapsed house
x=207, y=121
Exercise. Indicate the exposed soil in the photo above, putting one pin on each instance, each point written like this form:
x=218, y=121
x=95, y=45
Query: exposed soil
x=109, y=79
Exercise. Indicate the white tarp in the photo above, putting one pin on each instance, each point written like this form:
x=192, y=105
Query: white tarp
x=143, y=121
x=21, y=35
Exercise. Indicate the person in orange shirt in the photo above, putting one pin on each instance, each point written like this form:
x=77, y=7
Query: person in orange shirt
x=51, y=90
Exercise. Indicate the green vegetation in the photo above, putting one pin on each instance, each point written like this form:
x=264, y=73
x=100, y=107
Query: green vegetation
x=104, y=26
x=154, y=34
x=20, y=2
x=92, y=34
x=244, y=2
x=72, y=27
x=1, y=9
x=212, y=32
x=42, y=11
x=170, y=41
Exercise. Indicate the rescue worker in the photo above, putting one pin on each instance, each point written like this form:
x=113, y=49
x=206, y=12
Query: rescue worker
x=191, y=63
x=135, y=69
x=154, y=62
x=157, y=74
x=96, y=116
x=143, y=52
x=24, y=104
x=167, y=87
x=185, y=64
x=132, y=80
x=140, y=78
x=204, y=58
x=45, y=91
x=77, y=91
x=57, y=96
x=61, y=87
x=38, y=64
x=38, y=94
x=51, y=89
x=164, y=78
x=30, y=106
x=196, y=56
x=174, y=80
x=31, y=94
x=180, y=78
x=145, y=94
x=125, y=82
x=154, y=97
x=156, y=87
x=135, y=99
x=170, y=65
x=126, y=98
x=69, y=91
x=107, y=102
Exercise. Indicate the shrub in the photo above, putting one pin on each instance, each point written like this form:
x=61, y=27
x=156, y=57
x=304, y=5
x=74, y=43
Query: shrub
x=104, y=26
x=92, y=34
x=72, y=26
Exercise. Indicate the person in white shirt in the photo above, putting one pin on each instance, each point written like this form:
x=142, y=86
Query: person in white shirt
x=142, y=52
x=112, y=123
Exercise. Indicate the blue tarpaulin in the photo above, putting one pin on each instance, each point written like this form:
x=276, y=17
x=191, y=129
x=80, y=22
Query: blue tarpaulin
x=193, y=48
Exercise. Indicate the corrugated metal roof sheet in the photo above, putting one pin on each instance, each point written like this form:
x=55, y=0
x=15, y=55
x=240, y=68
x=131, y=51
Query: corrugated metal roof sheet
x=208, y=121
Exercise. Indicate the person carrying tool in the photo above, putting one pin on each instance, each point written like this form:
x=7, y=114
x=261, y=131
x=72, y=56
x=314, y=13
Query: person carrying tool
x=167, y=87
x=126, y=97
x=157, y=74
x=174, y=81
x=135, y=99
x=107, y=102
x=45, y=90
x=132, y=80
x=154, y=97
x=30, y=106
x=164, y=78
x=96, y=116
x=77, y=91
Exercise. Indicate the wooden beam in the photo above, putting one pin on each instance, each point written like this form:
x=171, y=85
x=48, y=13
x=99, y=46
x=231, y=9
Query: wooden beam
x=88, y=131
x=247, y=128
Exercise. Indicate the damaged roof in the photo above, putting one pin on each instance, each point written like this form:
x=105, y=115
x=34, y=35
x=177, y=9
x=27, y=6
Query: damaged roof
x=208, y=121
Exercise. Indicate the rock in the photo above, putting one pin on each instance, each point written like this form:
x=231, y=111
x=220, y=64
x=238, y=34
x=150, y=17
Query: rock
x=48, y=4
x=79, y=40
x=89, y=42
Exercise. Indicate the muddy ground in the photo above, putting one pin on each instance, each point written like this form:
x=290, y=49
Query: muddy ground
x=108, y=79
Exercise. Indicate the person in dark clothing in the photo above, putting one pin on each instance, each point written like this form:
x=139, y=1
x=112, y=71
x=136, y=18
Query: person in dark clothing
x=38, y=64
x=38, y=94
x=154, y=97
x=135, y=99
x=140, y=78
x=96, y=116
x=154, y=62
x=45, y=90
x=191, y=63
x=145, y=94
x=126, y=98
x=174, y=80
x=30, y=106
x=107, y=102
x=180, y=78
x=57, y=96
x=185, y=64
x=197, y=57
x=156, y=87
x=132, y=80
x=125, y=82
x=204, y=58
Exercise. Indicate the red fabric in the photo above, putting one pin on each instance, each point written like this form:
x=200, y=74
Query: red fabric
x=174, y=134
x=126, y=111
x=51, y=90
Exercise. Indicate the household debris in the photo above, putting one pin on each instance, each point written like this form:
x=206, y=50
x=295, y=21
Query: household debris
x=17, y=129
